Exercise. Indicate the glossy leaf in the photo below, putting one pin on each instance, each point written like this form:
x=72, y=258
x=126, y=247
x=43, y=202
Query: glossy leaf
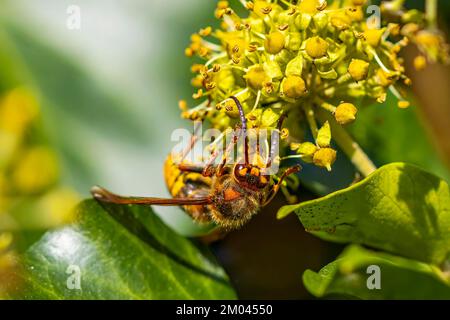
x=399, y=208
x=365, y=274
x=119, y=252
x=390, y=134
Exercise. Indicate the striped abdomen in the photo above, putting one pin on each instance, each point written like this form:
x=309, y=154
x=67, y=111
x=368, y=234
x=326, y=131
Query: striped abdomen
x=183, y=184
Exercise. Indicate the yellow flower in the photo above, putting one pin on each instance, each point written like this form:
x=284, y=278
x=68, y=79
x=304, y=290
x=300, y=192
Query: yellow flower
x=303, y=57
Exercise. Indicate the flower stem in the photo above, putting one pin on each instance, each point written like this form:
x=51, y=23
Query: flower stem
x=353, y=151
x=431, y=13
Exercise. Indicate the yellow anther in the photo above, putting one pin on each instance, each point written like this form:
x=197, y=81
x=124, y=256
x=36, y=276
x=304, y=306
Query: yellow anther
x=189, y=52
x=198, y=94
x=262, y=8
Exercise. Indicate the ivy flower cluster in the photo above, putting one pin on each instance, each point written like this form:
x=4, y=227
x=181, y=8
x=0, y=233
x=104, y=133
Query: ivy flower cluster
x=316, y=61
x=31, y=196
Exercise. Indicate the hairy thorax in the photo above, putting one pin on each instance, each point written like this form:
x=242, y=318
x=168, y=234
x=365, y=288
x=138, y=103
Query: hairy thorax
x=233, y=205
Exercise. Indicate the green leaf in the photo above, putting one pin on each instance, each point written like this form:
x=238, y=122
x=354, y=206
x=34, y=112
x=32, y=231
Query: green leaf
x=389, y=134
x=399, y=208
x=400, y=278
x=122, y=252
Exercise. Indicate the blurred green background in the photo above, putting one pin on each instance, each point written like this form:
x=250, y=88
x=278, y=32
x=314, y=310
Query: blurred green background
x=109, y=94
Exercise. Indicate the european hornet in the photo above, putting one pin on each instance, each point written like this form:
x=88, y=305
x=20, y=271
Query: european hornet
x=225, y=194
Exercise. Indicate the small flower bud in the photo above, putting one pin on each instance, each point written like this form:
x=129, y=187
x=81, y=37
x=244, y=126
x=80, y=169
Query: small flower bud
x=182, y=104
x=403, y=104
x=316, y=47
x=324, y=135
x=188, y=52
x=274, y=42
x=345, y=113
x=324, y=158
x=293, y=87
x=358, y=69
